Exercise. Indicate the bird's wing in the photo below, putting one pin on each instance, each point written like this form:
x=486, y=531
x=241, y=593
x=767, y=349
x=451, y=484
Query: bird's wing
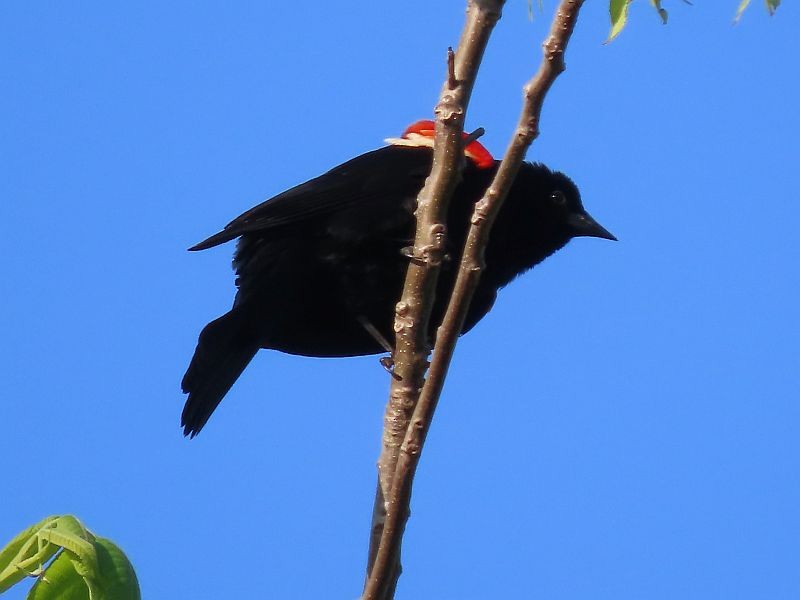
x=364, y=182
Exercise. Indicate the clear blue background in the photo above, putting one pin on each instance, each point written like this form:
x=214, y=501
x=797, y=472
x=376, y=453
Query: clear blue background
x=624, y=425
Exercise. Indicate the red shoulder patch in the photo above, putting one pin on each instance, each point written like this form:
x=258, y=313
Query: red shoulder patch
x=422, y=133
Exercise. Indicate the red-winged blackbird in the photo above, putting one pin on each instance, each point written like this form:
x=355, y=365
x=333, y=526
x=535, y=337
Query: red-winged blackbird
x=321, y=266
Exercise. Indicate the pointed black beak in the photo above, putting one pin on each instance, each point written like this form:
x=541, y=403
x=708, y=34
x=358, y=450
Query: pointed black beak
x=584, y=225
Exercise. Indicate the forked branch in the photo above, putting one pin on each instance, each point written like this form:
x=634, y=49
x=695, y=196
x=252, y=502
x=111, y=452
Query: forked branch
x=399, y=461
x=412, y=312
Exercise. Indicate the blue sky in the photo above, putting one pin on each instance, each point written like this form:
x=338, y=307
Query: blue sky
x=623, y=425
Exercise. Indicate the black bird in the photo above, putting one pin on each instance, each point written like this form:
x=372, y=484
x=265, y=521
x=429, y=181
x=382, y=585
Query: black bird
x=321, y=266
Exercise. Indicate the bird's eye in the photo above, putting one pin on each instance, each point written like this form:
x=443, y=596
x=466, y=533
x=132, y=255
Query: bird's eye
x=558, y=197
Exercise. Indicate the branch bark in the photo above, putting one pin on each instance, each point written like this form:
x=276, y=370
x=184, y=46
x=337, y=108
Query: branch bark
x=412, y=313
x=409, y=413
x=486, y=210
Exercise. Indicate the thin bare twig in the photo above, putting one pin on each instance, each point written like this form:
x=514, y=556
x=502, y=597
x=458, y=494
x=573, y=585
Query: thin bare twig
x=472, y=264
x=474, y=136
x=452, y=82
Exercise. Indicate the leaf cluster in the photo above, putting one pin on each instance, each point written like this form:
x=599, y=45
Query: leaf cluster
x=618, y=11
x=68, y=562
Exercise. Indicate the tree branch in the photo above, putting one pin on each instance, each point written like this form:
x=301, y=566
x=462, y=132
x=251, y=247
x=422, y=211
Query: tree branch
x=486, y=210
x=412, y=313
x=385, y=566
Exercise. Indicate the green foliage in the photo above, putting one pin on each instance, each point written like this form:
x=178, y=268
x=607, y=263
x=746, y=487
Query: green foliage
x=540, y=4
x=618, y=11
x=661, y=12
x=69, y=563
x=772, y=5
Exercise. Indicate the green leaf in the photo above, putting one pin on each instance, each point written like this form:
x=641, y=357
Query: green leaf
x=661, y=12
x=117, y=577
x=742, y=6
x=60, y=582
x=618, y=11
x=85, y=567
x=24, y=554
x=772, y=6
x=69, y=533
x=13, y=548
x=530, y=8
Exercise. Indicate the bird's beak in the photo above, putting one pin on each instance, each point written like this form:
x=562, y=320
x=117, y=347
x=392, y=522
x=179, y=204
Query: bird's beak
x=584, y=225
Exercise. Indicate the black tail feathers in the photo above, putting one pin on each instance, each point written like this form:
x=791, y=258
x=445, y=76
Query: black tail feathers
x=223, y=352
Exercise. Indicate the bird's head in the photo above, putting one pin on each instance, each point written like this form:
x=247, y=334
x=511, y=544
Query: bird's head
x=560, y=203
x=543, y=211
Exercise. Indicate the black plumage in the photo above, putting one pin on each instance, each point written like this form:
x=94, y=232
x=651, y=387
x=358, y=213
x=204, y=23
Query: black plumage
x=320, y=267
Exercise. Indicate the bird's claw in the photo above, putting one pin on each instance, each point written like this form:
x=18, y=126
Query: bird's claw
x=387, y=362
